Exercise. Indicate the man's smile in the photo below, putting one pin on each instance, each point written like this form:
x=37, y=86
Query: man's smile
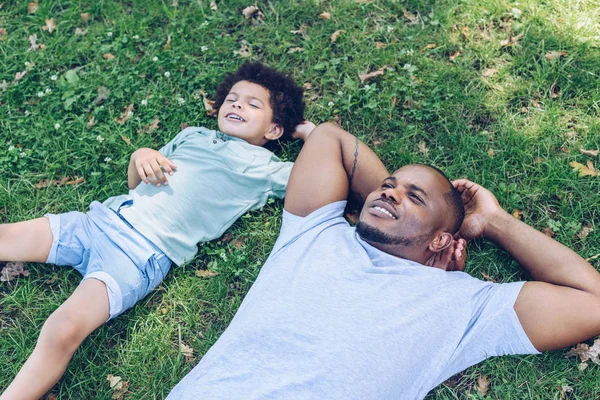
x=382, y=208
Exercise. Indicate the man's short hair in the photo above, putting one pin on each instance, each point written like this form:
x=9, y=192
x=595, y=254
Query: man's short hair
x=454, y=202
x=284, y=94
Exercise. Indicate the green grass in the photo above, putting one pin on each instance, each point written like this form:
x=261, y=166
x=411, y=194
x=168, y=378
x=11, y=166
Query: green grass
x=483, y=128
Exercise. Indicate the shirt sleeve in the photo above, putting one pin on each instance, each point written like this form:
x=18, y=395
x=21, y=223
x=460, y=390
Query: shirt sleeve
x=168, y=148
x=279, y=175
x=494, y=328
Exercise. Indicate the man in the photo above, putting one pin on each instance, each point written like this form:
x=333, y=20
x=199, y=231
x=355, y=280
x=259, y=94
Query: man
x=346, y=313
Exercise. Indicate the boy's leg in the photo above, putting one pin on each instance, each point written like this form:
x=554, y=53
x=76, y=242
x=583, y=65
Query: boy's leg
x=26, y=241
x=63, y=332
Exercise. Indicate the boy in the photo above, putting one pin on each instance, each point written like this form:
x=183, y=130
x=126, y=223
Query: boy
x=125, y=246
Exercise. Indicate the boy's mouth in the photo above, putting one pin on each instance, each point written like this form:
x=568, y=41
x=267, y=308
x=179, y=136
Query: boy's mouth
x=234, y=117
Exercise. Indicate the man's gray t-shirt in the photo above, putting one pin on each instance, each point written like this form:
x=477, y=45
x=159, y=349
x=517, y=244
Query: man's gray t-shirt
x=331, y=317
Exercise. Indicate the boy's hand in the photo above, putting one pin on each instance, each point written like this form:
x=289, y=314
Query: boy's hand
x=303, y=130
x=150, y=164
x=480, y=207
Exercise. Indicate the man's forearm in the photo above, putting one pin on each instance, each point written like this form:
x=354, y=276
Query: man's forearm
x=544, y=258
x=364, y=169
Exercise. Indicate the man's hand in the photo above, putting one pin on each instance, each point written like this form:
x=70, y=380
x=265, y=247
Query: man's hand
x=149, y=165
x=480, y=206
x=452, y=258
x=303, y=130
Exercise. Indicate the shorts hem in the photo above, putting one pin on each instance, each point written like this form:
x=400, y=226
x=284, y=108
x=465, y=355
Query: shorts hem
x=115, y=297
x=54, y=221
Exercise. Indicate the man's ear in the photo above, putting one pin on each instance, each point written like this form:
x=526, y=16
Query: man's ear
x=440, y=242
x=275, y=132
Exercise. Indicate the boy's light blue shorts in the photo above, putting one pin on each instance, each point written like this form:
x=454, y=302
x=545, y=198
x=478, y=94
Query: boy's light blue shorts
x=100, y=244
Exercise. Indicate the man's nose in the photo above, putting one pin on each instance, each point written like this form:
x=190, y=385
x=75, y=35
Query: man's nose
x=391, y=195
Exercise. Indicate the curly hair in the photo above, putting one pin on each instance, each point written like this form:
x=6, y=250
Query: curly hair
x=285, y=95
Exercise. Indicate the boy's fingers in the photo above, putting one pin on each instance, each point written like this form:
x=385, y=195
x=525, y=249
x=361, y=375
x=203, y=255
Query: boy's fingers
x=150, y=174
x=142, y=175
x=159, y=173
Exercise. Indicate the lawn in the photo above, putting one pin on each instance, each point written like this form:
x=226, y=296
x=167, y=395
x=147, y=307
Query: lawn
x=504, y=93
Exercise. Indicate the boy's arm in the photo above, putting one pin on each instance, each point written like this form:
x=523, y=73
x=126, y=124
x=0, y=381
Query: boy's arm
x=330, y=158
x=148, y=165
x=562, y=306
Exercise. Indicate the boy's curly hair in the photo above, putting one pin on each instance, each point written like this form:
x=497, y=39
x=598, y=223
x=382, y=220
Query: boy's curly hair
x=284, y=94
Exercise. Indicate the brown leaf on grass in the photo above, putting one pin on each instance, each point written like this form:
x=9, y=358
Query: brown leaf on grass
x=518, y=214
x=536, y=104
x=336, y=35
x=85, y=17
x=248, y=11
x=524, y=110
x=453, y=56
x=564, y=389
x=11, y=270
x=582, y=366
x=183, y=125
x=175, y=3
x=412, y=19
x=208, y=104
x=126, y=140
x=50, y=25
x=205, y=273
x=554, y=91
x=253, y=13
x=548, y=232
x=91, y=121
x=187, y=351
x=582, y=169
x=325, y=16
x=53, y=279
x=585, y=352
x=483, y=385
x=80, y=32
x=213, y=5
x=571, y=134
x=44, y=183
x=3, y=34
x=590, y=165
x=367, y=76
x=379, y=45
x=466, y=33
x=103, y=93
x=295, y=50
x=244, y=51
x=511, y=41
x=118, y=386
x=75, y=181
x=489, y=72
x=168, y=44
x=151, y=127
x=126, y=115
x=301, y=31
x=240, y=242
x=591, y=153
x=487, y=277
x=50, y=396
x=226, y=238
x=555, y=55
x=33, y=45
x=423, y=148
x=491, y=152
x=32, y=7
x=585, y=231
x=108, y=56
x=307, y=86
x=429, y=46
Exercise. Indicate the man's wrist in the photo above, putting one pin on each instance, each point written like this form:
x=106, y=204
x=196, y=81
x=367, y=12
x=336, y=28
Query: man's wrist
x=498, y=225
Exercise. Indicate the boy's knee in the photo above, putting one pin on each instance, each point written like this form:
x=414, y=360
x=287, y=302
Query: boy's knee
x=63, y=331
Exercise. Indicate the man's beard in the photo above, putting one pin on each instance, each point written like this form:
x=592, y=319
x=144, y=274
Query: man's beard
x=371, y=234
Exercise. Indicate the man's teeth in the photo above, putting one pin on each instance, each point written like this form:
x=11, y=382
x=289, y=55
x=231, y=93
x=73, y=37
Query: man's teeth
x=383, y=210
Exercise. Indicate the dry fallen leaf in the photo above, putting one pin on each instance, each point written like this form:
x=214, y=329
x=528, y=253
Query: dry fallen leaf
x=151, y=127
x=253, y=13
x=585, y=231
x=168, y=44
x=548, y=232
x=491, y=152
x=108, y=56
x=226, y=238
x=591, y=153
x=379, y=45
x=554, y=55
x=33, y=45
x=3, y=34
x=208, y=104
x=466, y=33
x=412, y=19
x=248, y=11
x=511, y=41
x=554, y=91
x=213, y=5
x=32, y=7
x=53, y=279
x=126, y=116
x=483, y=385
x=75, y=181
x=295, y=50
x=336, y=35
x=187, y=351
x=91, y=121
x=487, y=277
x=118, y=386
x=11, y=270
x=307, y=86
x=518, y=214
x=85, y=17
x=489, y=72
x=380, y=71
x=453, y=56
x=301, y=31
x=175, y=3
x=429, y=46
x=423, y=149
x=325, y=15
x=240, y=242
x=244, y=51
x=103, y=93
x=44, y=183
x=205, y=273
x=183, y=125
x=582, y=169
x=50, y=25
x=586, y=352
x=126, y=140
x=564, y=389
x=80, y=32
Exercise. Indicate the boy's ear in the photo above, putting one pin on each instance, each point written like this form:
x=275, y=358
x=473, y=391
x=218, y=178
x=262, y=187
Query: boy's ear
x=440, y=242
x=275, y=132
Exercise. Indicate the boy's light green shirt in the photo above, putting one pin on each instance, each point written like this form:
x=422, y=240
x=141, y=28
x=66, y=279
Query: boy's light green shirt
x=218, y=179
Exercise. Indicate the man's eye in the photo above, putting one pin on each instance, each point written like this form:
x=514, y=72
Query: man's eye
x=387, y=186
x=415, y=197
